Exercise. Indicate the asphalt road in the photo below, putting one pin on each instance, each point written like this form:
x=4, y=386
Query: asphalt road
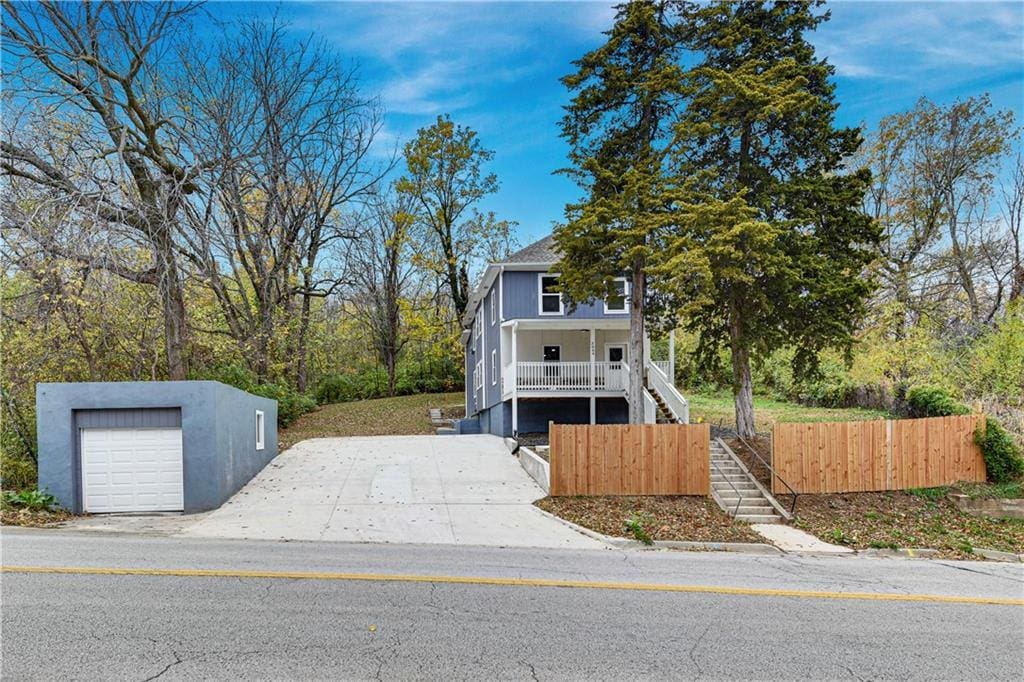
x=226, y=609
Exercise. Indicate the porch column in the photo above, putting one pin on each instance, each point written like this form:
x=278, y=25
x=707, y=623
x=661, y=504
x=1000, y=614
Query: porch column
x=672, y=357
x=515, y=381
x=647, y=355
x=593, y=342
x=593, y=378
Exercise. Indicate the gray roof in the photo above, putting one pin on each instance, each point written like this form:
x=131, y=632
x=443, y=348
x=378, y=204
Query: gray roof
x=542, y=251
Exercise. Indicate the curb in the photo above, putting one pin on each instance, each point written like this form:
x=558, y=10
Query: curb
x=624, y=543
x=998, y=555
x=901, y=553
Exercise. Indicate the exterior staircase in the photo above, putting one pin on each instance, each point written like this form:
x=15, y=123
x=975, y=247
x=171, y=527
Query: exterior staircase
x=664, y=414
x=736, y=491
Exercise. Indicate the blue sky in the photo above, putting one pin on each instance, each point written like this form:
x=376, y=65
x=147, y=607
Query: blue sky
x=495, y=67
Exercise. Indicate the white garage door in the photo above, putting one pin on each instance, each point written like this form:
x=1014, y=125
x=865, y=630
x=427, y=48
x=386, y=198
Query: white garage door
x=132, y=470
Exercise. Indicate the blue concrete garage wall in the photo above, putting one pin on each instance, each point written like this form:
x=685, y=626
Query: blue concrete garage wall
x=218, y=431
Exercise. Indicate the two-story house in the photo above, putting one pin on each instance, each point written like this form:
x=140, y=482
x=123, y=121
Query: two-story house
x=530, y=359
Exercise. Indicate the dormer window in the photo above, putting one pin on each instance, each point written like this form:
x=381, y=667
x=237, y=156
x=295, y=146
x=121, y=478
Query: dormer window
x=550, y=296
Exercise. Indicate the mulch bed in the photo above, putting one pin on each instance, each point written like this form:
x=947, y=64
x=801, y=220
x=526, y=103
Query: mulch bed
x=696, y=519
x=899, y=519
x=31, y=518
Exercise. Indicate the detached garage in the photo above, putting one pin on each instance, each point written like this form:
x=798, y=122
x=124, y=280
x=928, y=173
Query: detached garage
x=150, y=446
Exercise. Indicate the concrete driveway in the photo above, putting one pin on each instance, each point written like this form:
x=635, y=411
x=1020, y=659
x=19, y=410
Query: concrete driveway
x=465, y=490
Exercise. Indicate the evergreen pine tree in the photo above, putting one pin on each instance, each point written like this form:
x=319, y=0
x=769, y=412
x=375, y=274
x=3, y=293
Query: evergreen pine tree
x=770, y=245
x=619, y=126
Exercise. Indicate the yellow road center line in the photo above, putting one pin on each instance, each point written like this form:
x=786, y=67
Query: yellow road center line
x=509, y=582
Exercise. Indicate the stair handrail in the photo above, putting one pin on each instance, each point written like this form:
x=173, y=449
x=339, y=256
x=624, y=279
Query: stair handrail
x=659, y=381
x=753, y=479
x=739, y=495
x=650, y=408
x=793, y=493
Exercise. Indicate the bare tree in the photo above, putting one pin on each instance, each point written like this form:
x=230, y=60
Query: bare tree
x=292, y=137
x=963, y=145
x=101, y=139
x=383, y=272
x=1013, y=217
x=446, y=178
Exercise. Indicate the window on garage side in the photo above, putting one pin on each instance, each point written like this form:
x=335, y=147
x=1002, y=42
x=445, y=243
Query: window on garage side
x=261, y=430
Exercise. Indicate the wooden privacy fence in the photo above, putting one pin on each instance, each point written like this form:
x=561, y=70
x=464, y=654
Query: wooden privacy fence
x=630, y=459
x=838, y=457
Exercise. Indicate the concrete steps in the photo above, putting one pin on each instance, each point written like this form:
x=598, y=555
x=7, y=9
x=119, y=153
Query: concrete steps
x=736, y=491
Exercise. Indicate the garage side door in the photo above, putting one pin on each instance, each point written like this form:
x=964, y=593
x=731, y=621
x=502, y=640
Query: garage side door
x=132, y=470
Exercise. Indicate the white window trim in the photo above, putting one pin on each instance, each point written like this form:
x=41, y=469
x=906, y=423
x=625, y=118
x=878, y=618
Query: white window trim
x=540, y=295
x=625, y=299
x=494, y=312
x=494, y=367
x=261, y=428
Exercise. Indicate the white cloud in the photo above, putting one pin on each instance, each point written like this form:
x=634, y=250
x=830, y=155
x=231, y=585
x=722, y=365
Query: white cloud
x=862, y=38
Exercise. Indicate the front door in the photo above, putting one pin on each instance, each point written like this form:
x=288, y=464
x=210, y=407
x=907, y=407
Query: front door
x=614, y=355
x=615, y=352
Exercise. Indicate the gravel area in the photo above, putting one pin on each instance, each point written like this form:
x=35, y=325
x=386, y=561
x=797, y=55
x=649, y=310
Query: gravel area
x=663, y=517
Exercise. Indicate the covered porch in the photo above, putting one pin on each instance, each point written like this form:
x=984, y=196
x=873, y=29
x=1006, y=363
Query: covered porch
x=565, y=357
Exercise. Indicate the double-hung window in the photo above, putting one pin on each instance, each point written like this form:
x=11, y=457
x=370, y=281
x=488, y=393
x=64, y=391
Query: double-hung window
x=494, y=315
x=550, y=296
x=494, y=367
x=618, y=301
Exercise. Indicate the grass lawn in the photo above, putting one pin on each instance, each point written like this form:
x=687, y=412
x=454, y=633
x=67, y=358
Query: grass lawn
x=404, y=415
x=918, y=519
x=717, y=408
x=661, y=517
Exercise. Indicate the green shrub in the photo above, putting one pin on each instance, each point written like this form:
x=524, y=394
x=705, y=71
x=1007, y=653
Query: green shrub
x=930, y=494
x=372, y=382
x=636, y=526
x=932, y=401
x=17, y=473
x=30, y=499
x=1003, y=461
x=291, y=404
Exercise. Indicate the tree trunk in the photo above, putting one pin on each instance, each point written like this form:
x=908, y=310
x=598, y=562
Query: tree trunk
x=636, y=343
x=742, y=386
x=302, y=360
x=172, y=300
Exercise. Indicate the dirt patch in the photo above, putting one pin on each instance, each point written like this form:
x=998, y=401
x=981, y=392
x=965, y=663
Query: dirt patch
x=33, y=518
x=898, y=519
x=453, y=412
x=532, y=440
x=404, y=415
x=696, y=519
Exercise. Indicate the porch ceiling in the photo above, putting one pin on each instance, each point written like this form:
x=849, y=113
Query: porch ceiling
x=568, y=323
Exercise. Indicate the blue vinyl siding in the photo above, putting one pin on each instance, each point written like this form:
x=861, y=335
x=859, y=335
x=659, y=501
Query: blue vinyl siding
x=521, y=292
x=479, y=348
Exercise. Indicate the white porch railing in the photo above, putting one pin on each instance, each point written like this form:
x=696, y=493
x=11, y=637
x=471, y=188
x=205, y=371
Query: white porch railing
x=677, y=404
x=568, y=376
x=663, y=365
